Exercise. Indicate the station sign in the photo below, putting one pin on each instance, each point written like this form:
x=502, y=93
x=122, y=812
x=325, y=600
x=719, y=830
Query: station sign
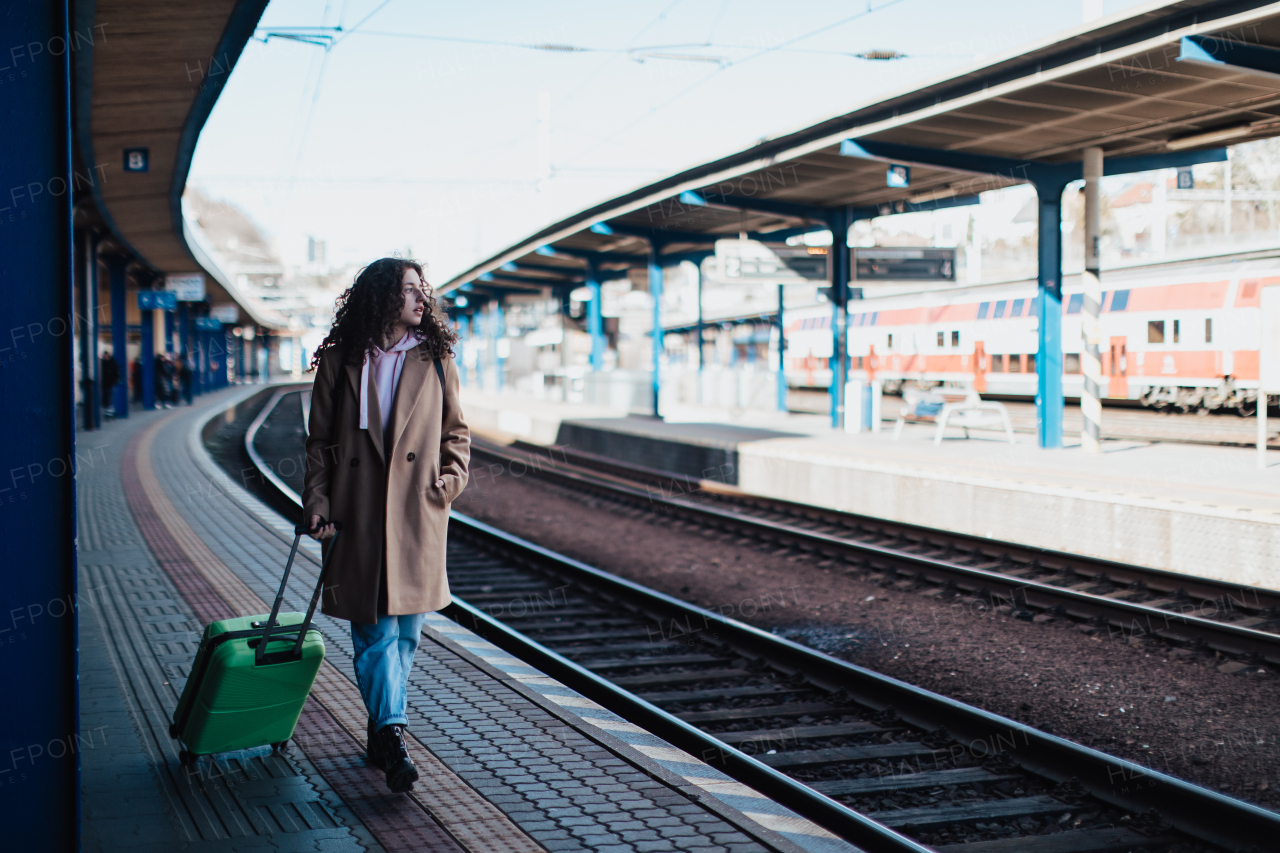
x=188, y=287
x=905, y=264
x=228, y=313
x=1186, y=178
x=153, y=300
x=208, y=324
x=137, y=159
x=751, y=260
x=898, y=176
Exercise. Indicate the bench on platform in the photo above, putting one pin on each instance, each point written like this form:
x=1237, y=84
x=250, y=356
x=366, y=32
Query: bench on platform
x=955, y=407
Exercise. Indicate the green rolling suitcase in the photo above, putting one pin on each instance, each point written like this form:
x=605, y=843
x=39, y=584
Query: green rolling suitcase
x=250, y=677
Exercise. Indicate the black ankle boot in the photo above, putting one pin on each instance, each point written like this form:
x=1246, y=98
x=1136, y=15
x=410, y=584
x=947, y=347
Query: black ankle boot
x=373, y=749
x=401, y=774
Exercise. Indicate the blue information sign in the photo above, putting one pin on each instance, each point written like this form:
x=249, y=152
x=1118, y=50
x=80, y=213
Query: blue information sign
x=208, y=324
x=1186, y=178
x=898, y=176
x=163, y=300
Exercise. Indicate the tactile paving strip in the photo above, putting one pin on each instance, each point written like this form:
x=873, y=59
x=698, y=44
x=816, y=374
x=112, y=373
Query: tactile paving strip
x=217, y=593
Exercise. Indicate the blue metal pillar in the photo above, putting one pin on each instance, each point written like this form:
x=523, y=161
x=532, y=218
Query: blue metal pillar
x=838, y=220
x=168, y=331
x=655, y=291
x=95, y=335
x=39, y=700
x=782, y=351
x=83, y=314
x=595, y=319
x=184, y=340
x=499, y=332
x=116, y=265
x=1049, y=399
x=148, y=355
x=481, y=321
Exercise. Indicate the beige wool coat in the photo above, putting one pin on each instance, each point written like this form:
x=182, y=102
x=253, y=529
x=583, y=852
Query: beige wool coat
x=386, y=494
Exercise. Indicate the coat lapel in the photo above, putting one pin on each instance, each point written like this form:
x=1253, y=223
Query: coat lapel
x=417, y=364
x=375, y=416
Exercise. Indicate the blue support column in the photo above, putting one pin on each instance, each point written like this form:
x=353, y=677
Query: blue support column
x=839, y=220
x=95, y=334
x=168, y=331
x=655, y=292
x=39, y=700
x=782, y=351
x=1049, y=399
x=84, y=326
x=240, y=356
x=499, y=332
x=148, y=355
x=595, y=320
x=116, y=265
x=481, y=321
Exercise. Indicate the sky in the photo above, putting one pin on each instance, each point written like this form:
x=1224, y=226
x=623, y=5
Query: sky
x=435, y=130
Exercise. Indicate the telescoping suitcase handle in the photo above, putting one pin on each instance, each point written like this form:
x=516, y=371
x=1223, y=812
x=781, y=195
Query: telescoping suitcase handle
x=261, y=655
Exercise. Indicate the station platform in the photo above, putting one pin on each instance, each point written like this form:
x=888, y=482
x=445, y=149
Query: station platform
x=510, y=760
x=1197, y=509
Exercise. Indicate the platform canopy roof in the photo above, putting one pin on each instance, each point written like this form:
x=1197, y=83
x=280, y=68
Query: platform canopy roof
x=147, y=75
x=1165, y=85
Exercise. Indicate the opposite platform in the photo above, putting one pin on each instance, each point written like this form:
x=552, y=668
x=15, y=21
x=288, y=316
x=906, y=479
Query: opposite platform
x=1199, y=510
x=510, y=759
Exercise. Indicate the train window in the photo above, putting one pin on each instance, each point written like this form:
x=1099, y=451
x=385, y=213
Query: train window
x=1031, y=362
x=1075, y=303
x=955, y=339
x=983, y=309
x=942, y=338
x=1015, y=364
x=997, y=364
x=1016, y=310
x=1120, y=301
x=1071, y=362
x=1177, y=331
x=1208, y=330
x=890, y=341
x=1155, y=331
x=999, y=312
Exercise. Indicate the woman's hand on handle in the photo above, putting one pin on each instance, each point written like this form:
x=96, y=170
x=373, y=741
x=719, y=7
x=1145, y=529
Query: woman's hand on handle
x=316, y=531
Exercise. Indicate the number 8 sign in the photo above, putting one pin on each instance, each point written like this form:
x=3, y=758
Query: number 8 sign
x=137, y=159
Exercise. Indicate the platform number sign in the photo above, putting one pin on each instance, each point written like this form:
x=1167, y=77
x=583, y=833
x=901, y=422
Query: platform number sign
x=1186, y=179
x=137, y=159
x=898, y=176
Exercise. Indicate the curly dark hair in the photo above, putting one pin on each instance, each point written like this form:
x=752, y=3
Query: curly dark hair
x=366, y=312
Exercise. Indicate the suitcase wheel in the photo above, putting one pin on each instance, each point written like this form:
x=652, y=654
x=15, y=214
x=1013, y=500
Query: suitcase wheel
x=187, y=758
x=278, y=745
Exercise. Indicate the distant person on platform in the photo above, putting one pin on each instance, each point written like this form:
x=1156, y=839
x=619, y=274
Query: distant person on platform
x=184, y=377
x=387, y=454
x=135, y=380
x=109, y=376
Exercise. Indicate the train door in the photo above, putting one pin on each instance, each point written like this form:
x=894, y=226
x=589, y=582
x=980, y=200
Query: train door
x=1118, y=368
x=979, y=367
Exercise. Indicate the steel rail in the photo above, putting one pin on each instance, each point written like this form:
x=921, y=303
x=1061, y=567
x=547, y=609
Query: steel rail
x=1130, y=618
x=1205, y=589
x=1204, y=814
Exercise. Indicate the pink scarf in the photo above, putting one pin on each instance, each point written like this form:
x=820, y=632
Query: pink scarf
x=386, y=374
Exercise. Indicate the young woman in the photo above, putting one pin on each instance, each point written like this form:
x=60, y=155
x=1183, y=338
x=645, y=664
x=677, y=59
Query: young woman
x=387, y=454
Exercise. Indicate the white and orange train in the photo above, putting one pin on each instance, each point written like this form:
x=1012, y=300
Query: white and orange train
x=1174, y=335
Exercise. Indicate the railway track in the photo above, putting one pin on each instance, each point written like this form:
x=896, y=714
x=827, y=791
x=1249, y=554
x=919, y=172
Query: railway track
x=886, y=765
x=1195, y=614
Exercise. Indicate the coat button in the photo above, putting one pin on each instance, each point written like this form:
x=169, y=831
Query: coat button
x=355, y=463
x=412, y=456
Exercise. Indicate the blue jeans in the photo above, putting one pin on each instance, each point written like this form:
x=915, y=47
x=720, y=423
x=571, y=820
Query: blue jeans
x=383, y=658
